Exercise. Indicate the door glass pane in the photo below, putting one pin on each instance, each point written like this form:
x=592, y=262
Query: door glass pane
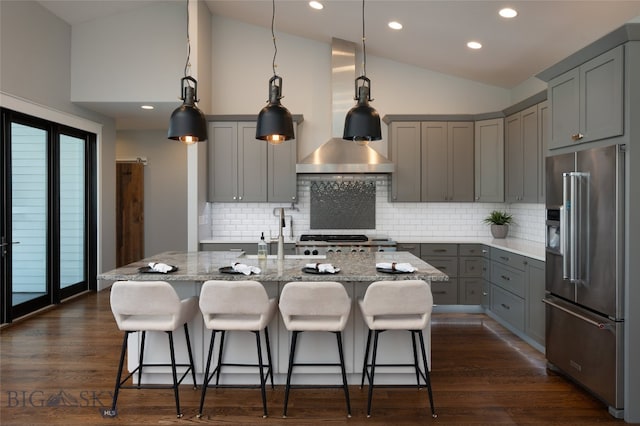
x=72, y=222
x=29, y=212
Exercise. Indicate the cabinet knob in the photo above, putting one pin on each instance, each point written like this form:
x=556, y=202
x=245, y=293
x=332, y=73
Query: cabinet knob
x=293, y=198
x=235, y=198
x=577, y=136
x=239, y=198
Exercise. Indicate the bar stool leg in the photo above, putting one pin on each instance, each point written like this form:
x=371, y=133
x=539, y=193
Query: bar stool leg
x=205, y=383
x=266, y=335
x=119, y=375
x=141, y=358
x=427, y=375
x=174, y=373
x=366, y=359
x=219, y=366
x=344, y=374
x=415, y=356
x=294, y=339
x=373, y=371
x=263, y=379
x=191, y=365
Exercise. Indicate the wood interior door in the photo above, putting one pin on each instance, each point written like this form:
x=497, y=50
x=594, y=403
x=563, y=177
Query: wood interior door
x=129, y=212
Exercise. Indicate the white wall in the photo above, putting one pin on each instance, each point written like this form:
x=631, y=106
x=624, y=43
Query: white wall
x=135, y=56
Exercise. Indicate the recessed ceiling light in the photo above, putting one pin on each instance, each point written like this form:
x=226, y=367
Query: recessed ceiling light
x=395, y=25
x=147, y=107
x=316, y=5
x=507, y=12
x=474, y=45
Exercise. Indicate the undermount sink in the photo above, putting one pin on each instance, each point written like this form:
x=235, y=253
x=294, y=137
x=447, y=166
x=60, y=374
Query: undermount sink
x=289, y=256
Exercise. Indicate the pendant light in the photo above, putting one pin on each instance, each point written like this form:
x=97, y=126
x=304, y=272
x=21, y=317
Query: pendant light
x=275, y=123
x=362, y=123
x=188, y=124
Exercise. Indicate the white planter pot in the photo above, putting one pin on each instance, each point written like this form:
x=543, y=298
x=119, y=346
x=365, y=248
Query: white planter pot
x=499, y=231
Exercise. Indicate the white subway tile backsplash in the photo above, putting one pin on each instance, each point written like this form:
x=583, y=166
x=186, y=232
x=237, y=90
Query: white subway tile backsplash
x=233, y=221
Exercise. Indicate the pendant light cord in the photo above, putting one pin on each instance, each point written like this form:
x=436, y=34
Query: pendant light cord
x=187, y=64
x=273, y=35
x=364, y=49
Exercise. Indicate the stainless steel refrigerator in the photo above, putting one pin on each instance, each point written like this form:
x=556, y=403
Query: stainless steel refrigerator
x=584, y=270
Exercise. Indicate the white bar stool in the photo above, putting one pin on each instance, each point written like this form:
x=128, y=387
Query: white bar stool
x=237, y=306
x=315, y=306
x=397, y=305
x=151, y=306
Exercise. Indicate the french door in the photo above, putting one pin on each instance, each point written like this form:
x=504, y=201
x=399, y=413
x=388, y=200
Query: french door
x=47, y=219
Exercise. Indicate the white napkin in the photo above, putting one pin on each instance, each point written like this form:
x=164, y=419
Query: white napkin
x=323, y=267
x=245, y=269
x=160, y=267
x=402, y=267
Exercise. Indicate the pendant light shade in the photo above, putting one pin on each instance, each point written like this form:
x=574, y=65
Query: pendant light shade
x=362, y=123
x=188, y=124
x=275, y=123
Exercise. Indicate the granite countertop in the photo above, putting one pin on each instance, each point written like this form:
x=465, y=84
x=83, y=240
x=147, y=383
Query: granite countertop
x=204, y=265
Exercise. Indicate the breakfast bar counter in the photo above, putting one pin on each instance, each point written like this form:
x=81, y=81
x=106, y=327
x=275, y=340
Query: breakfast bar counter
x=357, y=271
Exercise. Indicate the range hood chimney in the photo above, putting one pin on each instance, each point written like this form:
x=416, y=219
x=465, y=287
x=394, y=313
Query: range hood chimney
x=338, y=155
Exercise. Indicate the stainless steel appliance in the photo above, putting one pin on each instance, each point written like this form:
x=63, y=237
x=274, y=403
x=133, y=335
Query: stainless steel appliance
x=584, y=270
x=314, y=244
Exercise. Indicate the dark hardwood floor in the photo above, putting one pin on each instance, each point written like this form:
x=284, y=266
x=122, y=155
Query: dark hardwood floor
x=59, y=367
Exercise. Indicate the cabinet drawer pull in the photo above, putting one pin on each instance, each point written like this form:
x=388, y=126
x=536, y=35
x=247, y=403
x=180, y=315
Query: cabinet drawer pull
x=440, y=292
x=440, y=250
x=484, y=293
x=505, y=258
x=504, y=277
x=505, y=306
x=577, y=136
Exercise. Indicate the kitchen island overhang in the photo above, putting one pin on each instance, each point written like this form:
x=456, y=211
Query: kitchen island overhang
x=357, y=271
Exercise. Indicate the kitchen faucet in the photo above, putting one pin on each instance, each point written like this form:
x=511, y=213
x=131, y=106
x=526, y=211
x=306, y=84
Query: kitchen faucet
x=281, y=235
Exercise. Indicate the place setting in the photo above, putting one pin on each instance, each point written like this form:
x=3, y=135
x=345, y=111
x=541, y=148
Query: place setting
x=157, y=268
x=320, y=268
x=240, y=268
x=395, y=268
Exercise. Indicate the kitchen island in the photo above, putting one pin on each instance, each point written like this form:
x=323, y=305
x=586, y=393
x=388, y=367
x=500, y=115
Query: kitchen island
x=357, y=271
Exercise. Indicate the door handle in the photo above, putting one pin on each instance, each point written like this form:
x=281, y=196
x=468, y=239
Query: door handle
x=8, y=244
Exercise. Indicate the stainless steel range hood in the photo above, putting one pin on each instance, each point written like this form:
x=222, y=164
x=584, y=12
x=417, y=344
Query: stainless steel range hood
x=338, y=155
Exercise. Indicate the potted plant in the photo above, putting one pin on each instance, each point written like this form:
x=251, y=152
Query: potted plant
x=499, y=222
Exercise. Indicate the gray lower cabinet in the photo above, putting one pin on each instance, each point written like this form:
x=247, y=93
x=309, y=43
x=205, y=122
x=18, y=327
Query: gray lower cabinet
x=443, y=257
x=413, y=248
x=489, y=160
x=587, y=102
x=535, y=309
x=464, y=264
x=516, y=287
x=508, y=287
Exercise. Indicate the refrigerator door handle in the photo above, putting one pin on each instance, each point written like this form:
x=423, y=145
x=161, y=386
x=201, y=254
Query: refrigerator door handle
x=565, y=244
x=596, y=324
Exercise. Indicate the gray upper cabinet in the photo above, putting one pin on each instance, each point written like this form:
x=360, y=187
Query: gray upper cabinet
x=448, y=161
x=587, y=102
x=244, y=169
x=543, y=133
x=523, y=159
x=281, y=172
x=489, y=160
x=404, y=148
x=237, y=163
